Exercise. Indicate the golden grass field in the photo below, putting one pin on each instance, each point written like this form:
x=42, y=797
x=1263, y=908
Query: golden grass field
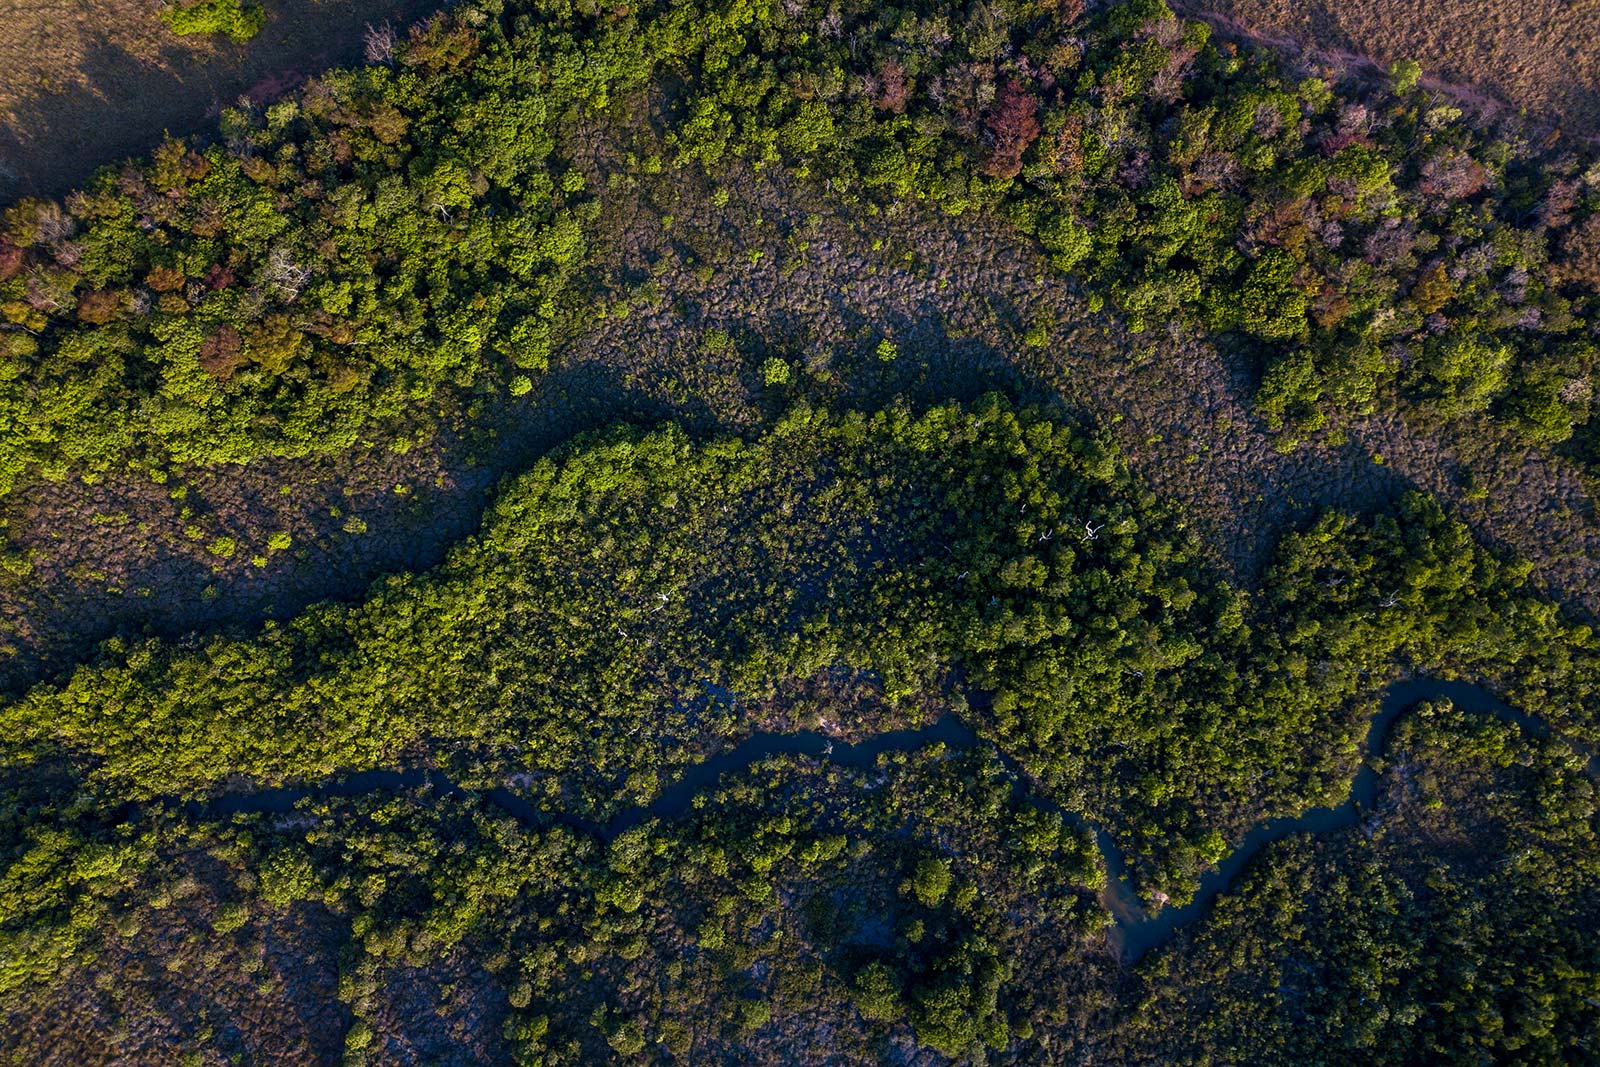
x=87, y=82
x=1538, y=55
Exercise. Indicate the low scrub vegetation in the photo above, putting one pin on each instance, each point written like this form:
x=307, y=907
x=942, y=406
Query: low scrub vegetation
x=238, y=20
x=238, y=302
x=628, y=607
x=320, y=834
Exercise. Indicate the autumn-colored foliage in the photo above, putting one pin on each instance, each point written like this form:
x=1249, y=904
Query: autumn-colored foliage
x=1012, y=125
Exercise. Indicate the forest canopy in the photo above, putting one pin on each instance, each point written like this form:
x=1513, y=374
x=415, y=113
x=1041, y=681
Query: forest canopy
x=639, y=602
x=607, y=588
x=494, y=810
x=392, y=244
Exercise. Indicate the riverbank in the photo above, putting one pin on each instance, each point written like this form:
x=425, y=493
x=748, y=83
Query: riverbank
x=1135, y=929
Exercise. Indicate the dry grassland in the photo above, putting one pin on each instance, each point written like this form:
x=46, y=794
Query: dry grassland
x=1542, y=56
x=84, y=83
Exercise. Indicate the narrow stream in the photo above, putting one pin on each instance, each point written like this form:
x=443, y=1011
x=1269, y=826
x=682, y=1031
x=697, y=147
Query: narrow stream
x=1135, y=930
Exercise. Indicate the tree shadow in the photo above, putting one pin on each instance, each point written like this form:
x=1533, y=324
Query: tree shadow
x=123, y=95
x=403, y=534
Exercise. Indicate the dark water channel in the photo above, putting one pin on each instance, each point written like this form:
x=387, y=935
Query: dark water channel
x=1135, y=931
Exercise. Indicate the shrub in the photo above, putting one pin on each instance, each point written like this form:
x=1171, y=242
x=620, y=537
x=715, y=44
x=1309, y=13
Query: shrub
x=1405, y=74
x=775, y=371
x=627, y=1039
x=876, y=992
x=238, y=20
x=931, y=881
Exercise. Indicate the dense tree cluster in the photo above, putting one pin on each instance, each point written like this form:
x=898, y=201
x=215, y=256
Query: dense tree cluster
x=802, y=905
x=572, y=642
x=351, y=258
x=387, y=250
x=1367, y=243
x=790, y=889
x=331, y=273
x=1461, y=931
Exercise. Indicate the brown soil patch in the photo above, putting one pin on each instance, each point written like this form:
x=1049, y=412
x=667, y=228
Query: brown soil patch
x=84, y=83
x=1539, y=55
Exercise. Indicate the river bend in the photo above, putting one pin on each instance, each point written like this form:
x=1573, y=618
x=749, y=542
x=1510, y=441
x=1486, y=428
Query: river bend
x=1135, y=930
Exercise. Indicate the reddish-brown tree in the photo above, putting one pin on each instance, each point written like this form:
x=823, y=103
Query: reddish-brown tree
x=1013, y=125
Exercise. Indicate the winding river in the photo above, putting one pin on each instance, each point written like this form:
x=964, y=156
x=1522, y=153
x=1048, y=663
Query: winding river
x=1135, y=931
